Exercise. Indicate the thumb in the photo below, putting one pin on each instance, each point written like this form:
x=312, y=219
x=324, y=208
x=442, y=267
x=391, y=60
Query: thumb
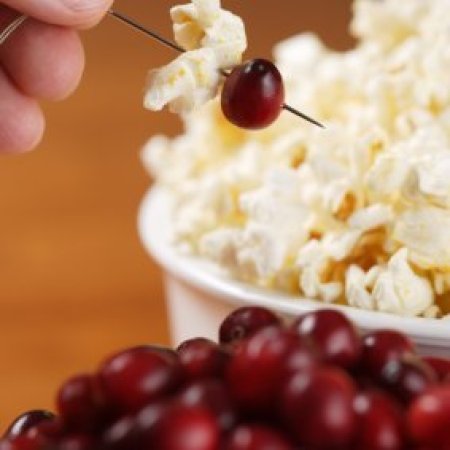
x=69, y=13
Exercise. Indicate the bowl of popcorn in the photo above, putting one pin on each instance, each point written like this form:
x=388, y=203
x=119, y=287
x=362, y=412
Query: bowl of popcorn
x=251, y=206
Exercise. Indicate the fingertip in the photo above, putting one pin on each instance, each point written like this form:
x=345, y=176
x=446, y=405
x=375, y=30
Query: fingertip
x=87, y=13
x=69, y=13
x=45, y=61
x=22, y=122
x=24, y=135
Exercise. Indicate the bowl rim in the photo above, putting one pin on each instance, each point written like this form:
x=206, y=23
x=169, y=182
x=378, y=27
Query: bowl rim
x=155, y=233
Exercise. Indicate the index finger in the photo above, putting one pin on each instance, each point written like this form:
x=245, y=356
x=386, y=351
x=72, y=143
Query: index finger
x=68, y=13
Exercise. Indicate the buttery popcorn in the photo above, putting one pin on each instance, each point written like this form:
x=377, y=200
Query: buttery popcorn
x=358, y=213
x=214, y=39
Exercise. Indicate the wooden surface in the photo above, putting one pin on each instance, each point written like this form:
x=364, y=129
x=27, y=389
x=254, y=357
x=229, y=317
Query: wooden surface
x=75, y=283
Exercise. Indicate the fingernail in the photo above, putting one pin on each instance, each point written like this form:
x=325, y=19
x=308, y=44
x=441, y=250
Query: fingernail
x=85, y=5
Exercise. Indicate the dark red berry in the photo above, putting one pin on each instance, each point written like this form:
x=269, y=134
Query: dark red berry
x=440, y=366
x=382, y=346
x=334, y=335
x=212, y=395
x=186, y=428
x=121, y=435
x=147, y=422
x=28, y=420
x=133, y=378
x=50, y=430
x=429, y=418
x=257, y=437
x=407, y=377
x=24, y=442
x=77, y=442
x=380, y=423
x=202, y=358
x=244, y=321
x=258, y=367
x=80, y=403
x=317, y=406
x=253, y=94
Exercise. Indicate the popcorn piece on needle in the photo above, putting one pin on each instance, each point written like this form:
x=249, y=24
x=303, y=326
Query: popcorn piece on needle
x=214, y=39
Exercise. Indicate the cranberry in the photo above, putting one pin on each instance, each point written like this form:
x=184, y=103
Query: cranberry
x=212, y=395
x=133, y=378
x=244, y=321
x=257, y=368
x=407, y=377
x=253, y=94
x=77, y=442
x=440, y=366
x=380, y=425
x=333, y=334
x=202, y=358
x=28, y=420
x=186, y=428
x=382, y=346
x=147, y=421
x=80, y=403
x=317, y=405
x=121, y=435
x=429, y=418
x=50, y=429
x=257, y=437
x=24, y=442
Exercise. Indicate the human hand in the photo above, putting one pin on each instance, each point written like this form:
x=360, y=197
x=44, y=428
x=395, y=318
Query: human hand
x=42, y=59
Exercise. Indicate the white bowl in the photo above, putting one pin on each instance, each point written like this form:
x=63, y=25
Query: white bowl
x=200, y=295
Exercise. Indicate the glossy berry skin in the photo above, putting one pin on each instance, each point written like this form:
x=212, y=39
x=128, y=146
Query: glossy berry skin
x=201, y=358
x=244, y=321
x=186, y=428
x=429, y=418
x=121, y=435
x=334, y=335
x=77, y=442
x=317, y=406
x=24, y=442
x=133, y=378
x=256, y=437
x=407, y=377
x=80, y=403
x=253, y=94
x=28, y=420
x=383, y=346
x=212, y=395
x=380, y=423
x=258, y=367
x=440, y=366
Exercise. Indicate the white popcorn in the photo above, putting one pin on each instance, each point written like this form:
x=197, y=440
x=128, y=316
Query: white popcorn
x=184, y=84
x=426, y=232
x=312, y=260
x=359, y=211
x=214, y=39
x=356, y=289
x=340, y=245
x=374, y=216
x=400, y=290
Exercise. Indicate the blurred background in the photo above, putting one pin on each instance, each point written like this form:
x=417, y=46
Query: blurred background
x=75, y=282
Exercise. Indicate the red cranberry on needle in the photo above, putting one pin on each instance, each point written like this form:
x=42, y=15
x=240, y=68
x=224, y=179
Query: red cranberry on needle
x=253, y=94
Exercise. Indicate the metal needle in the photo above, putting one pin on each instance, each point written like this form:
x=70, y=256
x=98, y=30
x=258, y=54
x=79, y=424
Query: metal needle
x=137, y=26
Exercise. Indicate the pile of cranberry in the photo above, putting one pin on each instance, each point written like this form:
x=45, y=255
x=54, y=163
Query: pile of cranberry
x=312, y=384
